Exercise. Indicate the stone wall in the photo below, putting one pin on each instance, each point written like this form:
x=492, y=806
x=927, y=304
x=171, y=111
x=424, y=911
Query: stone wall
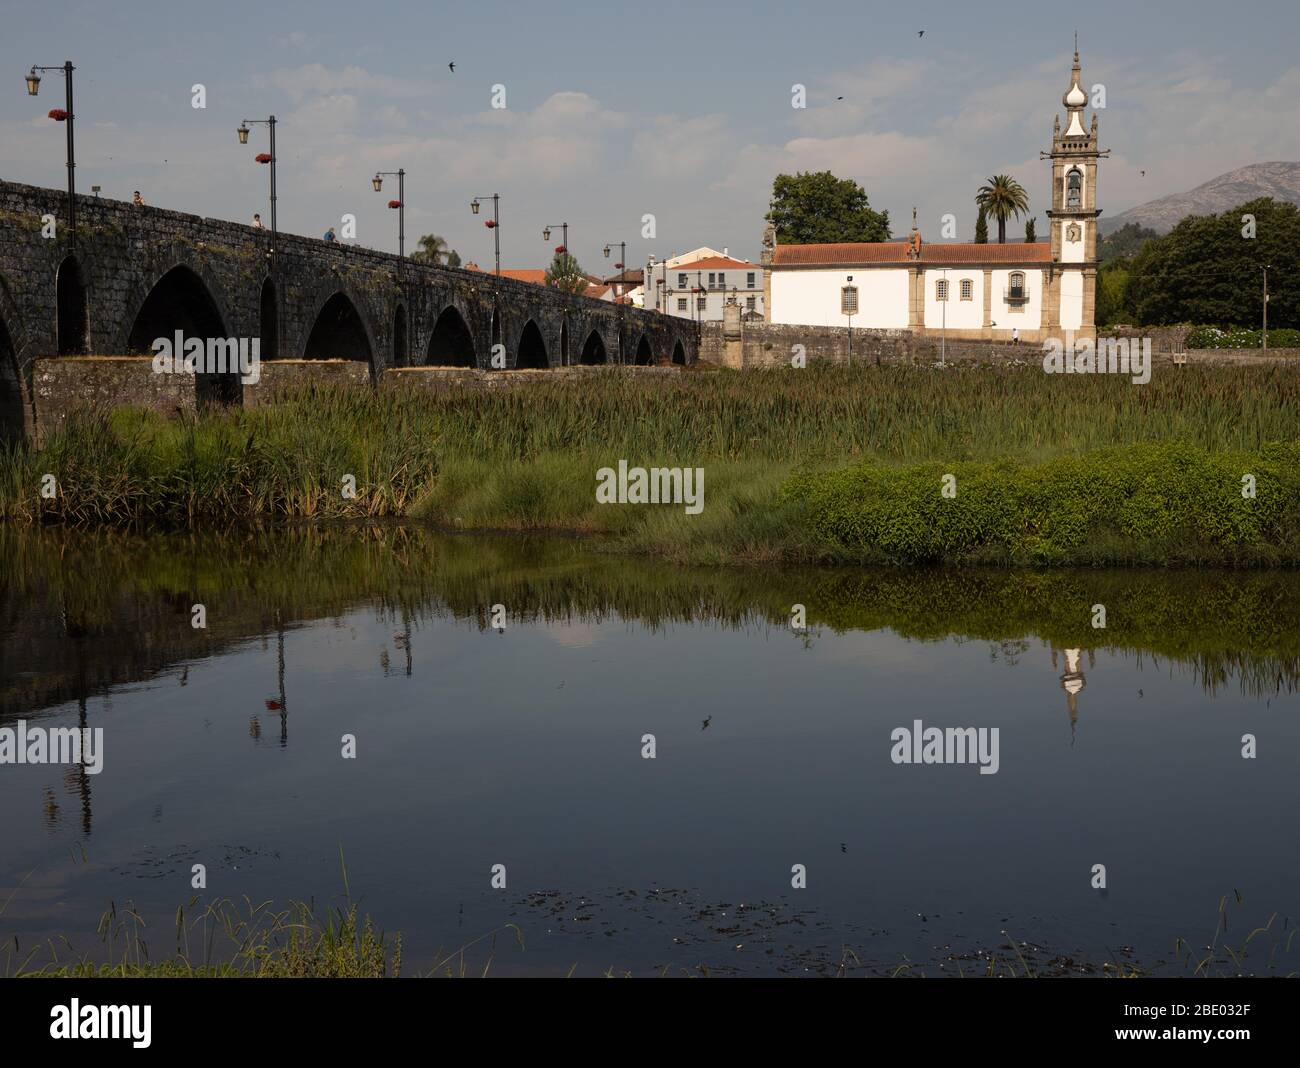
x=447, y=379
x=762, y=345
x=61, y=386
x=279, y=375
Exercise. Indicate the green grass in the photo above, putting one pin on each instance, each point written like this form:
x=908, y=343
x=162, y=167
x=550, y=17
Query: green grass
x=526, y=458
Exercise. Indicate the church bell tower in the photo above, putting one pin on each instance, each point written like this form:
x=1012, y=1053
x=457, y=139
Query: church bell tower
x=1074, y=212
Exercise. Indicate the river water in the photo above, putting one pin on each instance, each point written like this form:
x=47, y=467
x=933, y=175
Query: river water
x=499, y=693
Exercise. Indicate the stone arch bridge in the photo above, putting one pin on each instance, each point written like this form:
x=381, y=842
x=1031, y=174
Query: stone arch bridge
x=138, y=273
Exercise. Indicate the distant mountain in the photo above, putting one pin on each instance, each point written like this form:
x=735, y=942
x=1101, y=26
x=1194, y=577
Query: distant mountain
x=1281, y=181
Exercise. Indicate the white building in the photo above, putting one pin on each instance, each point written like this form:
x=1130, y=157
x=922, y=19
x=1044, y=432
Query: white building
x=974, y=291
x=698, y=284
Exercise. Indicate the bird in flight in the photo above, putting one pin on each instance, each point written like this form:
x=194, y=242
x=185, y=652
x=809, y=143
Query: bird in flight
x=920, y=33
x=706, y=724
x=839, y=98
x=1143, y=173
x=451, y=67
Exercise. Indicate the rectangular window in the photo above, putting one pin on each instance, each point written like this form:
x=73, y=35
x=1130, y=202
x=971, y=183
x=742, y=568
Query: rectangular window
x=849, y=300
x=710, y=279
x=749, y=280
x=681, y=303
x=941, y=289
x=681, y=281
x=701, y=302
x=722, y=280
x=750, y=303
x=967, y=289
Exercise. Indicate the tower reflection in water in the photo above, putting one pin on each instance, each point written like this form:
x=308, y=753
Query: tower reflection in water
x=1073, y=681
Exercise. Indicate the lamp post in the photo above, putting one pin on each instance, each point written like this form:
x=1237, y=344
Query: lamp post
x=564, y=234
x=1265, y=270
x=243, y=140
x=33, y=87
x=493, y=224
x=621, y=265
x=378, y=182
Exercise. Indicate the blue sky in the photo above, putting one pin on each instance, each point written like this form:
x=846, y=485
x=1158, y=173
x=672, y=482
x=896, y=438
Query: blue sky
x=616, y=110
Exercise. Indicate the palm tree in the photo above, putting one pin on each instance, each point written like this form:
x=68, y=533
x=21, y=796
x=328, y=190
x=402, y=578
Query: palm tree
x=1002, y=198
x=433, y=249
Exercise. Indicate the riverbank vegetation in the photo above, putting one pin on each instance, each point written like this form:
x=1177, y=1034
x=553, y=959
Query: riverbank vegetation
x=526, y=459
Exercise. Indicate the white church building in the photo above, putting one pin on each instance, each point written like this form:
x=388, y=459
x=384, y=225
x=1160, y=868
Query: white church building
x=967, y=291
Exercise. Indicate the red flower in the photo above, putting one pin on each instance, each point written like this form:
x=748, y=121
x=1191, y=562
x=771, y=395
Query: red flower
x=490, y=224
x=394, y=203
x=58, y=115
x=263, y=157
x=272, y=705
x=560, y=250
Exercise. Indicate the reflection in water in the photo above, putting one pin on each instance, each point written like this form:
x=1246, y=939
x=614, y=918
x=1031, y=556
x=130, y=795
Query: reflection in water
x=1072, y=682
x=509, y=742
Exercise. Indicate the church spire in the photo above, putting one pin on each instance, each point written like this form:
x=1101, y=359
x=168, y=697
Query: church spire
x=1075, y=99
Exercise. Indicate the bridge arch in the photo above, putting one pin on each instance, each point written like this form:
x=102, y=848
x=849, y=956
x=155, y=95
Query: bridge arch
x=644, y=357
x=178, y=299
x=450, y=342
x=71, y=321
x=593, y=349
x=339, y=331
x=269, y=320
x=679, y=352
x=531, y=350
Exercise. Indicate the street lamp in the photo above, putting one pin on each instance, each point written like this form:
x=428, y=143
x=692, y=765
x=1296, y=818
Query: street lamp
x=564, y=234
x=493, y=224
x=621, y=265
x=33, y=87
x=378, y=182
x=270, y=158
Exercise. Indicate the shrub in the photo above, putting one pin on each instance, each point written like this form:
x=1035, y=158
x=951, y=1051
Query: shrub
x=1165, y=503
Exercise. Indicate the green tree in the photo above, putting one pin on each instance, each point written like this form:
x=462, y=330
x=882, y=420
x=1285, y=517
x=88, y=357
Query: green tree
x=1031, y=231
x=817, y=208
x=1002, y=198
x=1124, y=243
x=981, y=228
x=1113, y=305
x=565, y=274
x=1207, y=270
x=431, y=248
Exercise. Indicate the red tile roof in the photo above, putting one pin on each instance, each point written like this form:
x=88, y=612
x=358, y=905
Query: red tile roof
x=726, y=263
x=520, y=274
x=864, y=252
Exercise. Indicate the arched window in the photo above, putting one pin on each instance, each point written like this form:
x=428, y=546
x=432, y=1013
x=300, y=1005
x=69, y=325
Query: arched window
x=1074, y=188
x=941, y=289
x=967, y=289
x=1017, y=283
